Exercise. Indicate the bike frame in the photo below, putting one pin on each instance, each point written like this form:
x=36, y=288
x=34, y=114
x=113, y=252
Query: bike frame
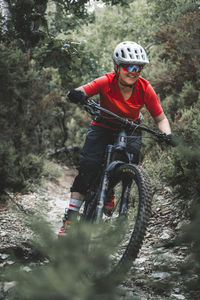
x=119, y=146
x=109, y=165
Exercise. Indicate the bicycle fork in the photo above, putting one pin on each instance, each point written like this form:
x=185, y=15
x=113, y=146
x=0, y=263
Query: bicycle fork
x=119, y=146
x=103, y=186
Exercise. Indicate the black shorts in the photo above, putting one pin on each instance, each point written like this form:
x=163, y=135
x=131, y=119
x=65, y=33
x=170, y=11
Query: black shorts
x=93, y=152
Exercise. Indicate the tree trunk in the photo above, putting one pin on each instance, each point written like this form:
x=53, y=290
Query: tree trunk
x=6, y=15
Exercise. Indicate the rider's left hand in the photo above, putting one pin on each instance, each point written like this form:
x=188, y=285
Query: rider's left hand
x=172, y=139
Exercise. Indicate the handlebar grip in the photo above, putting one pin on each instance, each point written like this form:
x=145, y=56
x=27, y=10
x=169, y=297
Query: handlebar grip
x=168, y=138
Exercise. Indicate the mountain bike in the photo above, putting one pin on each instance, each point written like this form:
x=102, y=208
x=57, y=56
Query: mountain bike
x=132, y=189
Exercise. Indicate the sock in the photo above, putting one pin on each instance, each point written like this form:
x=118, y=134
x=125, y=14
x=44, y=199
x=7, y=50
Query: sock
x=74, y=204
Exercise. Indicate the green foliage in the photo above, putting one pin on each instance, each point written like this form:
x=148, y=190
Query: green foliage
x=175, y=76
x=51, y=170
x=191, y=235
x=18, y=171
x=25, y=104
x=186, y=158
x=38, y=56
x=111, y=26
x=71, y=60
x=77, y=130
x=177, y=84
x=26, y=22
x=64, y=16
x=68, y=268
x=8, y=158
x=165, y=12
x=176, y=56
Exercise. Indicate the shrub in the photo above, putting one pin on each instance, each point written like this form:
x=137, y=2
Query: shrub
x=25, y=121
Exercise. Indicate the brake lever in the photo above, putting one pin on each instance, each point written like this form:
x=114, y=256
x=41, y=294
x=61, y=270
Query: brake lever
x=168, y=139
x=161, y=137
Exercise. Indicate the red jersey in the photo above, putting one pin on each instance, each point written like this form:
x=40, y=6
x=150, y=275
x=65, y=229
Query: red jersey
x=112, y=99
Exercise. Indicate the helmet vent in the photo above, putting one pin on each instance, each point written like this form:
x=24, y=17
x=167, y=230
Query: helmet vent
x=129, y=49
x=123, y=54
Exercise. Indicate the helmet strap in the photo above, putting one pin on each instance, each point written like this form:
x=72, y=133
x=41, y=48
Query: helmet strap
x=116, y=71
x=127, y=85
x=117, y=77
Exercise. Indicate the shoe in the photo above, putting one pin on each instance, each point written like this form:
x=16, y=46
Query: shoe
x=64, y=227
x=110, y=202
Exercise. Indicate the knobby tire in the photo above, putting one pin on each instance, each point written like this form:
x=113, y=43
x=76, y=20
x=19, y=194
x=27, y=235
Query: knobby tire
x=140, y=199
x=142, y=209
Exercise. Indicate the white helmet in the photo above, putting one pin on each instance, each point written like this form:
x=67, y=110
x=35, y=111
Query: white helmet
x=129, y=53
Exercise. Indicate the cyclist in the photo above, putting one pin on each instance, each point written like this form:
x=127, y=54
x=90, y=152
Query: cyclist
x=123, y=92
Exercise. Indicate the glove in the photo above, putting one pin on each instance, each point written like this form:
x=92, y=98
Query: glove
x=172, y=139
x=77, y=97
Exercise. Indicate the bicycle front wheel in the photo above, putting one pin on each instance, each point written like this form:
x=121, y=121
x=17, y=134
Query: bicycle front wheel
x=129, y=220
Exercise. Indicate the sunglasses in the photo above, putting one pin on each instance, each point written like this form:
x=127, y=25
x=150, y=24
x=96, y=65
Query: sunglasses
x=131, y=68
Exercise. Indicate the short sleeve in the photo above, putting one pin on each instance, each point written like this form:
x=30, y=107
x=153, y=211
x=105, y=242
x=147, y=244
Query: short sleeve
x=96, y=86
x=152, y=102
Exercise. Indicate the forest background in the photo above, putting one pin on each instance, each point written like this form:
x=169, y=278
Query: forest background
x=50, y=47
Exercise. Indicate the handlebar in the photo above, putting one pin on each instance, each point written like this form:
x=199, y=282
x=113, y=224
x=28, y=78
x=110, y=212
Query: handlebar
x=94, y=109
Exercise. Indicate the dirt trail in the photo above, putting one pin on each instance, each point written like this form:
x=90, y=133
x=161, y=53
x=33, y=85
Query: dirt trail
x=50, y=200
x=155, y=275
x=57, y=195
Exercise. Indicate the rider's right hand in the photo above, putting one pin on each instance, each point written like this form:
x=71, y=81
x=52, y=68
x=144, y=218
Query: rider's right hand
x=77, y=97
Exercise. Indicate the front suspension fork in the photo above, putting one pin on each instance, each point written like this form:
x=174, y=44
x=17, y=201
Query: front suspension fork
x=103, y=186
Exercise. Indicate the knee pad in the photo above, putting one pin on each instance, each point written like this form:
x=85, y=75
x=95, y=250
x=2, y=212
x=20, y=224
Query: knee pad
x=82, y=182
